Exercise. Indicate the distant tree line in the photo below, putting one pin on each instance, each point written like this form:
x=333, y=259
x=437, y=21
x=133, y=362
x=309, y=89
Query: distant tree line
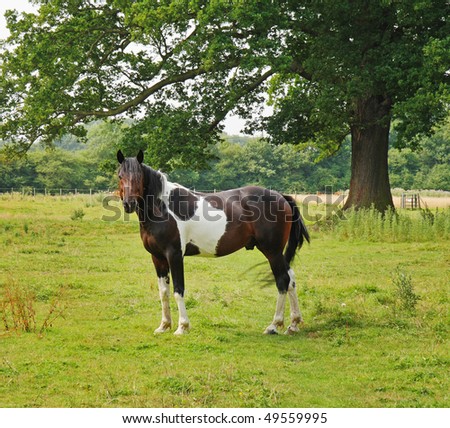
x=234, y=162
x=281, y=167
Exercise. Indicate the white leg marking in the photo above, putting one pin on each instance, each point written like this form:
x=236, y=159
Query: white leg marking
x=278, y=319
x=164, y=291
x=183, y=322
x=296, y=316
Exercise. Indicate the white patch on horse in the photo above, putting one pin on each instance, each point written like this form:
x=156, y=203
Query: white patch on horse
x=204, y=229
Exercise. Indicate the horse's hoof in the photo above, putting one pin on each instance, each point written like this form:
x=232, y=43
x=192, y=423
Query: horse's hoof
x=162, y=329
x=270, y=330
x=292, y=330
x=181, y=330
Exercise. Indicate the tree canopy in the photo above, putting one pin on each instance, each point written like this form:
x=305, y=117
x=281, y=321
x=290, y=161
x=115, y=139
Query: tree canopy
x=177, y=67
x=78, y=60
x=358, y=49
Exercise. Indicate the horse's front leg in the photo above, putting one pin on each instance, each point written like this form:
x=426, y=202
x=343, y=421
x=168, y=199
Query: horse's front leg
x=162, y=270
x=177, y=269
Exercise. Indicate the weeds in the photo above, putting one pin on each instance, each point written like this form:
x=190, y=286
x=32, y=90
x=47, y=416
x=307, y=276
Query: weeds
x=372, y=226
x=428, y=216
x=78, y=214
x=404, y=291
x=18, y=310
x=55, y=311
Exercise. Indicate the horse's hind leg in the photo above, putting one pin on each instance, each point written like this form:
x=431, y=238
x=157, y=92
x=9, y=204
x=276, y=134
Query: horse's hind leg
x=162, y=270
x=296, y=316
x=285, y=280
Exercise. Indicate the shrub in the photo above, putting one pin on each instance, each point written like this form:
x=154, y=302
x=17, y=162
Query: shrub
x=78, y=214
x=404, y=291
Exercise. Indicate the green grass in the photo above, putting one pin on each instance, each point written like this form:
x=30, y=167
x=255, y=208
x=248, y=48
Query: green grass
x=359, y=346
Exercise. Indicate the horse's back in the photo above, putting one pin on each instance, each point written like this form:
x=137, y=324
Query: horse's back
x=242, y=196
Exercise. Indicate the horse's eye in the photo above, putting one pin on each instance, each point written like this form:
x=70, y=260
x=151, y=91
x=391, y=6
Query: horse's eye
x=120, y=177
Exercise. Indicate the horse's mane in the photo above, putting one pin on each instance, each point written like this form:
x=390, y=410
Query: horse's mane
x=154, y=190
x=153, y=182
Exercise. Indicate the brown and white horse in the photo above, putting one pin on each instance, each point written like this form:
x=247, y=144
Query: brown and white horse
x=176, y=222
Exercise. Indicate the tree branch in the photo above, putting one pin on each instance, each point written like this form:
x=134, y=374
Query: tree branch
x=232, y=102
x=142, y=96
x=298, y=68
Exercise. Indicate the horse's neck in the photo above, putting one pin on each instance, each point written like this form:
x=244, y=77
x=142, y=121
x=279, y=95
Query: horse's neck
x=151, y=201
x=156, y=207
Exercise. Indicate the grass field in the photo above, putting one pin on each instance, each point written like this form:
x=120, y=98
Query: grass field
x=375, y=308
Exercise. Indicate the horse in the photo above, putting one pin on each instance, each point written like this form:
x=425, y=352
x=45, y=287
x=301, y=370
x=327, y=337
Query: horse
x=176, y=222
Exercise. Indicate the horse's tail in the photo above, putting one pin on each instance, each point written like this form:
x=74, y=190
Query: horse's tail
x=298, y=231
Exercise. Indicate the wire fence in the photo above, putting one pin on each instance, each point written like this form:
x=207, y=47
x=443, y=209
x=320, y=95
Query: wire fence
x=328, y=197
x=33, y=191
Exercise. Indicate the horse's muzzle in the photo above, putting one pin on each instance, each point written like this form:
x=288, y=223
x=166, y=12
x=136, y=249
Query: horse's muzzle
x=130, y=206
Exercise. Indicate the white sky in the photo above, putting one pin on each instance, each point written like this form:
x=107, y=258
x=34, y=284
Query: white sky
x=233, y=124
x=21, y=5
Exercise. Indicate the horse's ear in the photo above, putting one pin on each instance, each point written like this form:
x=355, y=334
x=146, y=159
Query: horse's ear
x=140, y=156
x=120, y=156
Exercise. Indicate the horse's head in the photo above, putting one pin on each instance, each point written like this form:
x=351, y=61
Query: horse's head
x=131, y=184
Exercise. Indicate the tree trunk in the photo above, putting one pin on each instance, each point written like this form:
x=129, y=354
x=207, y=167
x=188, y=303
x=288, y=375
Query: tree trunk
x=369, y=183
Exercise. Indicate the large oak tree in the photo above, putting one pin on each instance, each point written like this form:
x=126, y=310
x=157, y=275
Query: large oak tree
x=360, y=66
x=332, y=68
